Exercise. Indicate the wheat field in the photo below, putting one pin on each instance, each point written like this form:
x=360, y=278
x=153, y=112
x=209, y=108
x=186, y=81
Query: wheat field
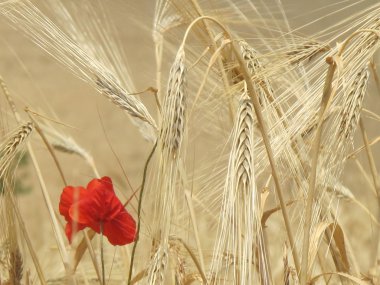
x=241, y=136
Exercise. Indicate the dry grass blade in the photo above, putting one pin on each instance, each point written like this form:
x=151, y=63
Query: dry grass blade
x=337, y=234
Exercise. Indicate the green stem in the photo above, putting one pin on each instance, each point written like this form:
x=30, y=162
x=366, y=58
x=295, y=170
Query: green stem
x=139, y=213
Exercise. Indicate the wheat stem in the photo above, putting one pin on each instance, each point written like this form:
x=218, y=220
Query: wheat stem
x=375, y=75
x=48, y=145
x=371, y=160
x=196, y=232
x=312, y=179
x=374, y=173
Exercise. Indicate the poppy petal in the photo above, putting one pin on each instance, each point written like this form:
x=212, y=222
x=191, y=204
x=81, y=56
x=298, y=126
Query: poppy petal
x=102, y=191
x=102, y=183
x=112, y=207
x=86, y=211
x=121, y=230
x=69, y=230
x=69, y=196
x=100, y=206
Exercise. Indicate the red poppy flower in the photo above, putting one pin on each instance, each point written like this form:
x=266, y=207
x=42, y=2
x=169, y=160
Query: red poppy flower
x=97, y=207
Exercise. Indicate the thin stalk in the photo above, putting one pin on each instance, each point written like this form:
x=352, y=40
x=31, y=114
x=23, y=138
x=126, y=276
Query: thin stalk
x=313, y=174
x=139, y=212
x=370, y=158
x=102, y=254
x=196, y=232
x=158, y=43
x=322, y=265
x=365, y=176
x=359, y=149
x=49, y=205
x=49, y=147
x=81, y=248
x=375, y=75
x=375, y=177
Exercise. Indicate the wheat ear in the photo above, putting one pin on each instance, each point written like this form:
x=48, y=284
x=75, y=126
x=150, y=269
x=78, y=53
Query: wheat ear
x=240, y=231
x=170, y=142
x=9, y=147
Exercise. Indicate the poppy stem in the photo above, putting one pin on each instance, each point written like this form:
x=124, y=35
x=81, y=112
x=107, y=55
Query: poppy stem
x=139, y=212
x=102, y=254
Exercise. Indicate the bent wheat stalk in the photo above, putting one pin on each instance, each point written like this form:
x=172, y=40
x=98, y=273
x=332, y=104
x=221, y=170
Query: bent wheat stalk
x=262, y=125
x=312, y=179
